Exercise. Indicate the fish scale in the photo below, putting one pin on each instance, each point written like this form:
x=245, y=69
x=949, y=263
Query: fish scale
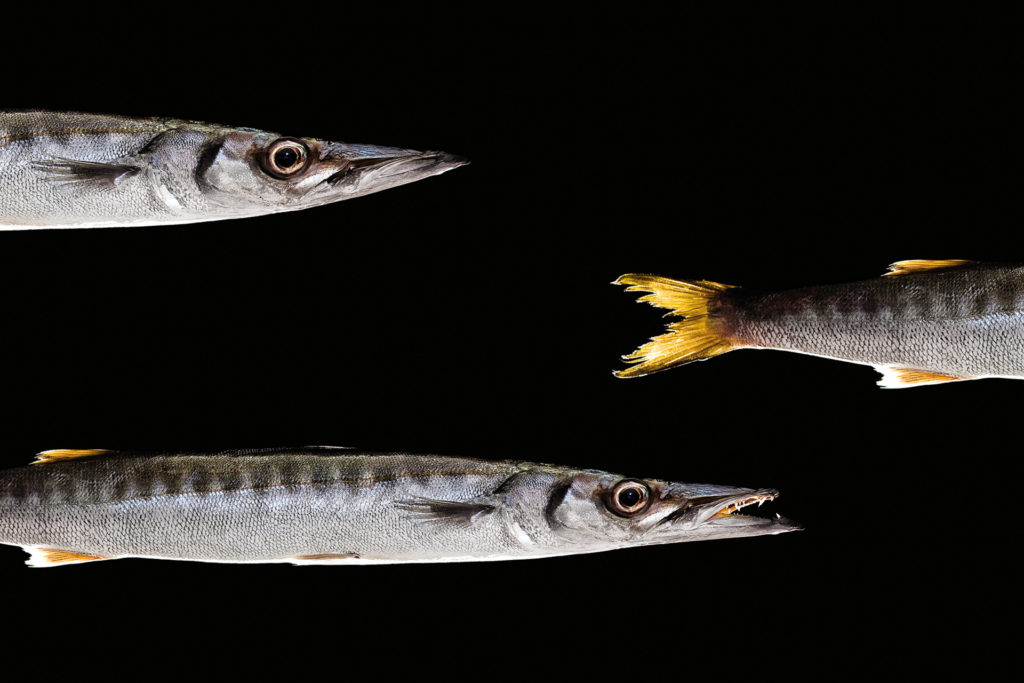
x=315, y=505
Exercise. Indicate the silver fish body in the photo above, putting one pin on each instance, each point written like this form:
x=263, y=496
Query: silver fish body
x=67, y=170
x=926, y=322
x=317, y=505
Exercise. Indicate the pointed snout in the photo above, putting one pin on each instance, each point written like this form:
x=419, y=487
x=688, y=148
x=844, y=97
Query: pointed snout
x=716, y=510
x=362, y=155
x=422, y=164
x=362, y=169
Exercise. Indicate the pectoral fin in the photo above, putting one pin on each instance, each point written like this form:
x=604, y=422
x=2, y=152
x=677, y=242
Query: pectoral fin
x=429, y=510
x=90, y=172
x=901, y=378
x=50, y=557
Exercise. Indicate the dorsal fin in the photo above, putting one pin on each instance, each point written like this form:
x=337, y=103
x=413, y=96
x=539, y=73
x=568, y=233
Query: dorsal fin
x=922, y=265
x=67, y=454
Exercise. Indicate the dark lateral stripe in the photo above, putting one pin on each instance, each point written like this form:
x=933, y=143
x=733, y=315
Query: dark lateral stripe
x=198, y=481
x=230, y=480
x=1007, y=298
x=62, y=137
x=980, y=304
x=121, y=486
x=119, y=477
x=172, y=480
x=13, y=487
x=61, y=134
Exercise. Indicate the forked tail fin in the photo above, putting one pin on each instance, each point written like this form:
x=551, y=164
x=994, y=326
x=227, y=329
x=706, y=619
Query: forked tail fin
x=696, y=337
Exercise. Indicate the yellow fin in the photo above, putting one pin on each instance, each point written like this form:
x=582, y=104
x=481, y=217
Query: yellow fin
x=901, y=378
x=922, y=265
x=695, y=337
x=67, y=454
x=49, y=557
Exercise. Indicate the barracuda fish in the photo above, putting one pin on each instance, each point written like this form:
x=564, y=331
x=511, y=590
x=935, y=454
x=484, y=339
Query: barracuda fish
x=923, y=322
x=319, y=505
x=65, y=170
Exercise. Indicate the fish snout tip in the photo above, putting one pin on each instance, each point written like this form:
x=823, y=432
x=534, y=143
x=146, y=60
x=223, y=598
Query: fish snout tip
x=449, y=160
x=785, y=524
x=432, y=162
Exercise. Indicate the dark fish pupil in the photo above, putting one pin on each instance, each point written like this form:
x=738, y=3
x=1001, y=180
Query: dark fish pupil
x=629, y=497
x=286, y=157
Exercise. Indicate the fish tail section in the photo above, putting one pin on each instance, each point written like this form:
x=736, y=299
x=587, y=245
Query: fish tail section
x=698, y=336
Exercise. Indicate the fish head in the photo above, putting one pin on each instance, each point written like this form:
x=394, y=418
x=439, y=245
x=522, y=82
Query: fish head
x=608, y=510
x=252, y=169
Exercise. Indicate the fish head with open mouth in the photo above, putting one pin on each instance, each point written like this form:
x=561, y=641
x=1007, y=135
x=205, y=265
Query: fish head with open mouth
x=607, y=510
x=261, y=170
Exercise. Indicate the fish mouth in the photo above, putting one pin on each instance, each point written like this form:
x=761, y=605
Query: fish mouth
x=362, y=170
x=724, y=508
x=720, y=514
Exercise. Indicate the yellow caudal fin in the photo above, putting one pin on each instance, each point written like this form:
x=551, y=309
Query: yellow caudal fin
x=696, y=337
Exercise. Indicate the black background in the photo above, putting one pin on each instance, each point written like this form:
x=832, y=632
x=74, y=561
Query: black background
x=471, y=314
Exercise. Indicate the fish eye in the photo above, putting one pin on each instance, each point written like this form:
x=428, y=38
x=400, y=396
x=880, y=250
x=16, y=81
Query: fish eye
x=285, y=158
x=629, y=497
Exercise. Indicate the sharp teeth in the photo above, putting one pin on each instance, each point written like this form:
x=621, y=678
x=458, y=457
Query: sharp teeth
x=738, y=505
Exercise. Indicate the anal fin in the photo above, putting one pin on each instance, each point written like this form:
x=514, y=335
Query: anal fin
x=51, y=557
x=324, y=558
x=901, y=378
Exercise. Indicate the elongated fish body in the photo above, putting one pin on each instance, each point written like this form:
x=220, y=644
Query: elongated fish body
x=66, y=170
x=925, y=322
x=327, y=505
